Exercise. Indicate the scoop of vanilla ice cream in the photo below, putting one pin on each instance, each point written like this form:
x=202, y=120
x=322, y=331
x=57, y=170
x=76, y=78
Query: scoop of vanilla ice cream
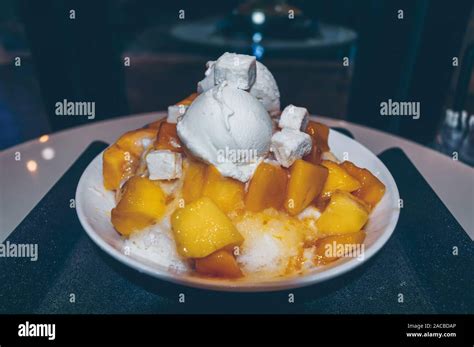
x=265, y=88
x=228, y=128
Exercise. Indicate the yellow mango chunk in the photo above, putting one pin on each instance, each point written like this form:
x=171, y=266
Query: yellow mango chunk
x=167, y=138
x=220, y=264
x=201, y=228
x=120, y=161
x=267, y=188
x=126, y=223
x=338, y=179
x=142, y=204
x=306, y=183
x=226, y=192
x=332, y=248
x=344, y=214
x=194, y=179
x=319, y=136
x=133, y=141
x=314, y=157
x=117, y=165
x=371, y=190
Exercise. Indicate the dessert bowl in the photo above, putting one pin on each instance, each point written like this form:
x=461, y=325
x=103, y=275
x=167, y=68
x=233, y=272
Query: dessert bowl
x=231, y=192
x=94, y=204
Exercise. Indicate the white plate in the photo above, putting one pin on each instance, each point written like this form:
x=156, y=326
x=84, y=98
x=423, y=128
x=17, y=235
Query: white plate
x=93, y=205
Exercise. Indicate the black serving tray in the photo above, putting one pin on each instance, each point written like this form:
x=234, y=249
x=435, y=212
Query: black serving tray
x=415, y=272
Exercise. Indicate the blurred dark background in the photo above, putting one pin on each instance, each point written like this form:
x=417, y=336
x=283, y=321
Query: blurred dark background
x=403, y=56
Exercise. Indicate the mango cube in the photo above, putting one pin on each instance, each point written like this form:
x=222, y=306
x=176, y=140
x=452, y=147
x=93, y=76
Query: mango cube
x=201, y=228
x=220, y=264
x=126, y=223
x=167, y=138
x=344, y=214
x=226, y=192
x=267, y=188
x=329, y=248
x=320, y=134
x=141, y=205
x=371, y=190
x=314, y=157
x=120, y=161
x=117, y=165
x=306, y=183
x=338, y=179
x=135, y=141
x=194, y=179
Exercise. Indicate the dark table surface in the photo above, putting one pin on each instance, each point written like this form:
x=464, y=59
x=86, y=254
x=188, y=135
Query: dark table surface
x=415, y=272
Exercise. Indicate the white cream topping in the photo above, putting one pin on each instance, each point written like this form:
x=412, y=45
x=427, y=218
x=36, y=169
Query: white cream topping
x=265, y=88
x=228, y=128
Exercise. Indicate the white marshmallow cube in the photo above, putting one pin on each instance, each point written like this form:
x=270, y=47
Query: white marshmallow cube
x=289, y=145
x=294, y=117
x=164, y=165
x=175, y=112
x=238, y=70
